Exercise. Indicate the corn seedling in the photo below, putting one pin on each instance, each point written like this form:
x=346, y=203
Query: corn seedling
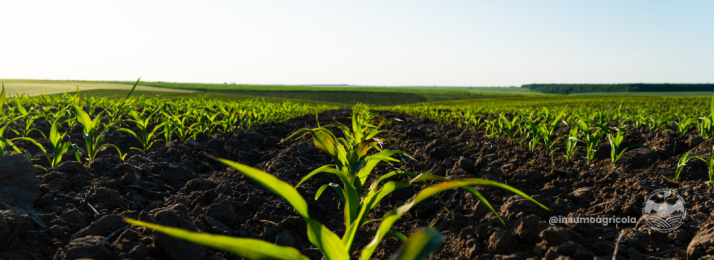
x=91, y=139
x=571, y=144
x=683, y=125
x=5, y=143
x=145, y=135
x=680, y=166
x=510, y=127
x=59, y=148
x=615, y=142
x=26, y=118
x=709, y=161
x=419, y=246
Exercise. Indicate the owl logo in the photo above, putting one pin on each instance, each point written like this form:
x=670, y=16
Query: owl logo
x=664, y=210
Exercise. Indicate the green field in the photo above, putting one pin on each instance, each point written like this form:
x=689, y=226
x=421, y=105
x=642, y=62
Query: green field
x=650, y=94
x=343, y=96
x=556, y=101
x=337, y=95
x=349, y=95
x=38, y=87
x=174, y=95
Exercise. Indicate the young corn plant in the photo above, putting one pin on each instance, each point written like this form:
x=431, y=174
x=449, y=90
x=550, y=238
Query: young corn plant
x=571, y=144
x=353, y=166
x=26, y=119
x=510, y=127
x=680, y=167
x=178, y=124
x=145, y=137
x=419, y=246
x=616, y=142
x=709, y=161
x=706, y=124
x=683, y=125
x=205, y=124
x=591, y=140
x=93, y=142
x=5, y=143
x=59, y=148
x=548, y=141
x=544, y=132
x=169, y=130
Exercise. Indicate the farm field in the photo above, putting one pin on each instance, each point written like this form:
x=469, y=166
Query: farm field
x=38, y=87
x=651, y=94
x=383, y=96
x=176, y=95
x=487, y=174
x=344, y=97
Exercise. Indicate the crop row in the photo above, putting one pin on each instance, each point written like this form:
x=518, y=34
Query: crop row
x=361, y=190
x=576, y=125
x=50, y=121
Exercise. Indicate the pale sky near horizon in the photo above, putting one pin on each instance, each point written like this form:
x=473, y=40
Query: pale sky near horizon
x=447, y=43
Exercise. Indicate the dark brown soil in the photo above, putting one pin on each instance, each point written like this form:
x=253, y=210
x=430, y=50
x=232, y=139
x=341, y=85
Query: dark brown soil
x=179, y=186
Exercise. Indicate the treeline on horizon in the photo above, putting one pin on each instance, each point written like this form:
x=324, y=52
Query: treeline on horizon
x=627, y=87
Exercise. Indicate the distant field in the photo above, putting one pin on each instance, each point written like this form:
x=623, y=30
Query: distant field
x=499, y=89
x=382, y=96
x=651, y=94
x=339, y=98
x=38, y=87
x=194, y=94
x=420, y=90
x=555, y=101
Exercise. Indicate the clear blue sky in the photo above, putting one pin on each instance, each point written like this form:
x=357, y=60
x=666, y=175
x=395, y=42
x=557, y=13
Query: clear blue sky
x=464, y=43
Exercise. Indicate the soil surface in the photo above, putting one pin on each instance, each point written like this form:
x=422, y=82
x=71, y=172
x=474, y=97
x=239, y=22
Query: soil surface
x=79, y=211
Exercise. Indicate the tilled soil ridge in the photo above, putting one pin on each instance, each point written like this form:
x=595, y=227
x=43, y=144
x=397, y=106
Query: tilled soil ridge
x=179, y=186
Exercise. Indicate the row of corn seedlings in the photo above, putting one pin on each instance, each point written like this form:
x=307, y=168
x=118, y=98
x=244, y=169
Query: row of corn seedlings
x=589, y=124
x=361, y=190
x=149, y=120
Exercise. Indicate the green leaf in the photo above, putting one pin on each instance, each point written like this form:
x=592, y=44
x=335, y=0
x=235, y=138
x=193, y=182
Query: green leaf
x=420, y=245
x=485, y=202
x=8, y=142
x=33, y=142
x=59, y=153
x=54, y=134
x=271, y=183
x=324, y=140
x=84, y=119
x=636, y=145
x=325, y=168
x=389, y=175
x=40, y=167
x=243, y=247
x=370, y=202
x=384, y=227
x=398, y=235
x=109, y=145
x=76, y=153
x=128, y=131
x=320, y=190
x=434, y=189
x=325, y=240
x=338, y=190
x=304, y=131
